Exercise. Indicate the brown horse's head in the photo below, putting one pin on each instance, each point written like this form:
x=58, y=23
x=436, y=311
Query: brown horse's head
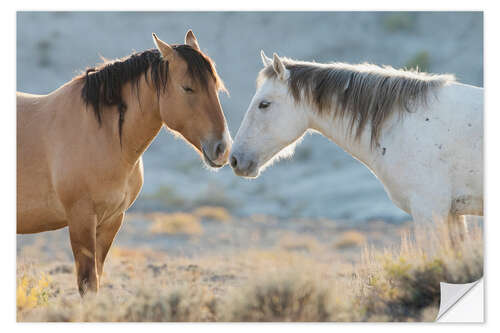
x=190, y=103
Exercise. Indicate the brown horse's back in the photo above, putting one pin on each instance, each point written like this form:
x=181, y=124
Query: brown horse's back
x=38, y=208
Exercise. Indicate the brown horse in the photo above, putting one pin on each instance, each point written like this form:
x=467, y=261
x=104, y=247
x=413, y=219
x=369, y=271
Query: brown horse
x=79, y=148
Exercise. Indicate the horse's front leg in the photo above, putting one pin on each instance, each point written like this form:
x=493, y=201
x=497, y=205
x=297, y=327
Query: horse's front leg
x=82, y=232
x=105, y=235
x=430, y=214
x=431, y=217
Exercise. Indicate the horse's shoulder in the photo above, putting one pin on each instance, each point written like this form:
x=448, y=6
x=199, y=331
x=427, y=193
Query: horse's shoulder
x=136, y=181
x=138, y=172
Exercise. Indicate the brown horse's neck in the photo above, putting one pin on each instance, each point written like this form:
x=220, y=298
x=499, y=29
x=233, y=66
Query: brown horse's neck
x=142, y=121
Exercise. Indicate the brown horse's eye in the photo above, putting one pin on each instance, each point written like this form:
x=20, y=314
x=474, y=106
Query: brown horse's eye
x=188, y=90
x=264, y=104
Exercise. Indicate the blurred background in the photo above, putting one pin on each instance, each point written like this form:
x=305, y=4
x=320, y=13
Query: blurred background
x=321, y=188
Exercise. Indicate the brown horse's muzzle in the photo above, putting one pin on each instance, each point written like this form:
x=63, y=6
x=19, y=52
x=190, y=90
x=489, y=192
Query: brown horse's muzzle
x=216, y=152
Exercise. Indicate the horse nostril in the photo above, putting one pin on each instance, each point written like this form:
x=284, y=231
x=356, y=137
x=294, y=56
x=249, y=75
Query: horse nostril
x=234, y=162
x=219, y=149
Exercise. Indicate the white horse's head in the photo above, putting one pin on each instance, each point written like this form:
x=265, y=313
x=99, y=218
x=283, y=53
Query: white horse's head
x=274, y=122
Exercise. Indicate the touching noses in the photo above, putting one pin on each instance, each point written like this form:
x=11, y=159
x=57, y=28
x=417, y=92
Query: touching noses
x=242, y=166
x=216, y=153
x=233, y=161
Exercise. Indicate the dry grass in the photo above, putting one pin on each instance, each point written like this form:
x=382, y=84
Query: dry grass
x=284, y=296
x=404, y=285
x=351, y=238
x=213, y=213
x=146, y=305
x=296, y=242
x=176, y=223
x=31, y=291
x=397, y=284
x=259, y=218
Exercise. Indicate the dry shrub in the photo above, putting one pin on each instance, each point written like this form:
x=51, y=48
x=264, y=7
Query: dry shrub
x=174, y=304
x=32, y=291
x=350, y=239
x=406, y=286
x=213, y=213
x=261, y=262
x=259, y=218
x=295, y=242
x=177, y=304
x=282, y=297
x=398, y=284
x=176, y=223
x=122, y=252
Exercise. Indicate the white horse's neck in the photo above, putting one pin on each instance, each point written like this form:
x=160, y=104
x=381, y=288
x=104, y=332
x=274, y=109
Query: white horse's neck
x=337, y=130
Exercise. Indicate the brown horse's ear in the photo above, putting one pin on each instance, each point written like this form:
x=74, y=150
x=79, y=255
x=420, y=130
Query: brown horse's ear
x=191, y=40
x=166, y=50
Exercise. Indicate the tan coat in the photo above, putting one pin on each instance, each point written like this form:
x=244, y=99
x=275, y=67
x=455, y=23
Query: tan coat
x=73, y=172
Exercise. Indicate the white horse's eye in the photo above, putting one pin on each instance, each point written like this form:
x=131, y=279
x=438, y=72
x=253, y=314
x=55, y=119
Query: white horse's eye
x=264, y=104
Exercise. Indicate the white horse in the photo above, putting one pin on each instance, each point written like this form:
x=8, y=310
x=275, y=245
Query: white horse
x=420, y=134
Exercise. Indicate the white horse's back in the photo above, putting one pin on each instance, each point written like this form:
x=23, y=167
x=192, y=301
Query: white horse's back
x=462, y=106
x=438, y=149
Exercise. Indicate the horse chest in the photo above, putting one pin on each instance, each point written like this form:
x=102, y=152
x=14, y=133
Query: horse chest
x=396, y=192
x=403, y=173
x=119, y=198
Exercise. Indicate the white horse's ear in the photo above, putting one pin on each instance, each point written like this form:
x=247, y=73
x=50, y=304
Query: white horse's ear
x=265, y=60
x=279, y=68
x=167, y=52
x=191, y=40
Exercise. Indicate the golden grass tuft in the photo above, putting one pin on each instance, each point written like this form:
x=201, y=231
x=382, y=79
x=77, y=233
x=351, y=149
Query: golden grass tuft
x=295, y=242
x=176, y=223
x=350, y=239
x=32, y=291
x=213, y=213
x=259, y=218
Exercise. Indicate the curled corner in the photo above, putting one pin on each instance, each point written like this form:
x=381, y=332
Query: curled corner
x=451, y=294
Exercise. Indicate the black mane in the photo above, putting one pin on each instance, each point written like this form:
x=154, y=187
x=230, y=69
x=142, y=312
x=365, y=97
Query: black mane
x=104, y=83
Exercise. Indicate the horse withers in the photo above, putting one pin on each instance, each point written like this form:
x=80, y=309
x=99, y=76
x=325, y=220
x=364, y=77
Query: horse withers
x=420, y=134
x=79, y=148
